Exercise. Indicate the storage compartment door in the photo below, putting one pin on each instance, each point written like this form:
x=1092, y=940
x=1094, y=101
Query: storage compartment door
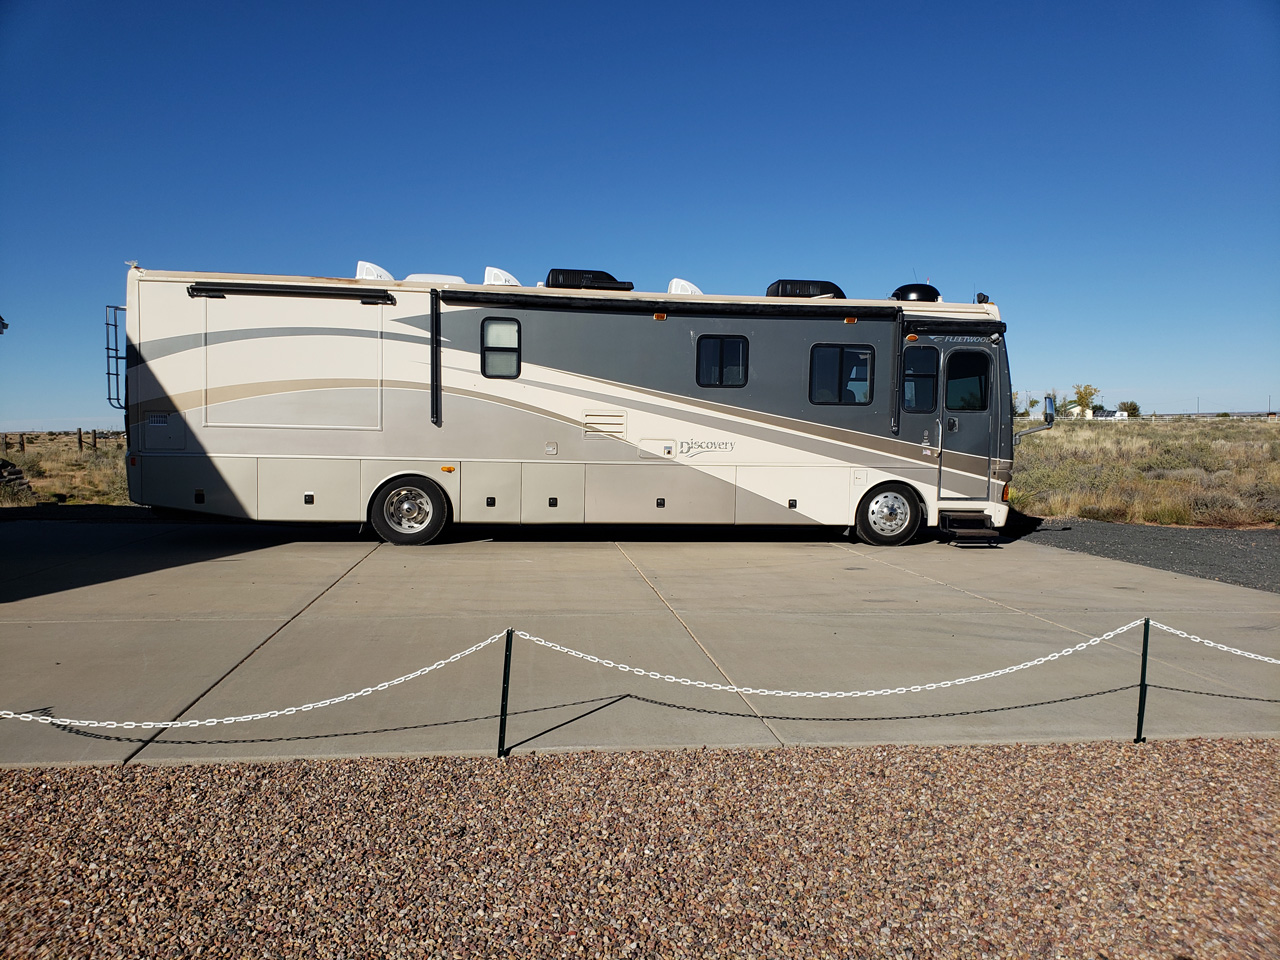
x=552, y=493
x=490, y=492
x=327, y=490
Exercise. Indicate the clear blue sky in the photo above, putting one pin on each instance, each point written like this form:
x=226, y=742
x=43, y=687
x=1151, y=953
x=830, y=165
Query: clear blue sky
x=1109, y=173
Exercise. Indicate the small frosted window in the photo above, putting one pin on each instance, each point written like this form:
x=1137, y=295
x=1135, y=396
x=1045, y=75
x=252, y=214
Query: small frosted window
x=502, y=333
x=501, y=364
x=500, y=348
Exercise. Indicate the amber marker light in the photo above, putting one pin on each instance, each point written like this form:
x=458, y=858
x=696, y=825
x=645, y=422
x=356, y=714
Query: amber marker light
x=1004, y=494
x=850, y=319
x=448, y=469
x=912, y=338
x=659, y=316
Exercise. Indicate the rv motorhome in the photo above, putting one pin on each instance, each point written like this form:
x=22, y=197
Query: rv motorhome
x=408, y=404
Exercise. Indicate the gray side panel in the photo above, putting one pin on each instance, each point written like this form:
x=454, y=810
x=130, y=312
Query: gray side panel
x=627, y=493
x=660, y=355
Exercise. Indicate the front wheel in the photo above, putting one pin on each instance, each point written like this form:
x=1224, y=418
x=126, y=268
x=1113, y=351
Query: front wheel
x=408, y=511
x=889, y=516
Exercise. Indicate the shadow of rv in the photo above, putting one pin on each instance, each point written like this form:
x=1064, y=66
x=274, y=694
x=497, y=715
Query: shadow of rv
x=49, y=550
x=46, y=555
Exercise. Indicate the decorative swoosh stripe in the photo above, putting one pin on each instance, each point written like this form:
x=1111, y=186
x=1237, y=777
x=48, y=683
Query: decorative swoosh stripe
x=168, y=346
x=767, y=425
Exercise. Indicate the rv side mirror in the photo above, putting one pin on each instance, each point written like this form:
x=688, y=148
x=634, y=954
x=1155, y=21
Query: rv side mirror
x=1049, y=411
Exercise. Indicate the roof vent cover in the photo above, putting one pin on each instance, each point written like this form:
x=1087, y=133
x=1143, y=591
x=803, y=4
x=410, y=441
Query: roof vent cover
x=586, y=280
x=916, y=291
x=805, y=288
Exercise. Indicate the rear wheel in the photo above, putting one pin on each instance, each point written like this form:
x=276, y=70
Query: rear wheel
x=889, y=515
x=408, y=511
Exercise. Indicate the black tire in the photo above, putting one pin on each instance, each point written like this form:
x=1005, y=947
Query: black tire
x=408, y=511
x=889, y=515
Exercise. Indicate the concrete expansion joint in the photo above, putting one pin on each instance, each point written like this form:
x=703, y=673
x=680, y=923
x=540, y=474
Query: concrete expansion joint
x=707, y=653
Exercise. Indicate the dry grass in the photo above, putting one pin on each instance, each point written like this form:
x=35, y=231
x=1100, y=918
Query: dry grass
x=61, y=472
x=1213, y=473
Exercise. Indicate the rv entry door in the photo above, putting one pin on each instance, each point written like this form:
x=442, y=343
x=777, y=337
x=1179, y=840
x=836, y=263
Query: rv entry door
x=920, y=411
x=968, y=420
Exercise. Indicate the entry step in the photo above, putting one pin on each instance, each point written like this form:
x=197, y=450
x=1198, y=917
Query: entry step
x=967, y=526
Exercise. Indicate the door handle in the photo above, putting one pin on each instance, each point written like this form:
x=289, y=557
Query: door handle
x=952, y=425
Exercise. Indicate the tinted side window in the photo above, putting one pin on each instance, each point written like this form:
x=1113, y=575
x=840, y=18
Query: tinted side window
x=919, y=379
x=840, y=373
x=968, y=380
x=722, y=361
x=500, y=348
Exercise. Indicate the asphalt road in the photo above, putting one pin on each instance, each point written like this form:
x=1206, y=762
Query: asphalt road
x=1247, y=558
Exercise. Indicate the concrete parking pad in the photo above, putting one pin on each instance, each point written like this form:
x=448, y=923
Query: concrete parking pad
x=157, y=622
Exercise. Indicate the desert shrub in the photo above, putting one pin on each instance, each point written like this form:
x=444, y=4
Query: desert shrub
x=1265, y=497
x=29, y=461
x=1114, y=512
x=1215, y=508
x=13, y=496
x=1164, y=462
x=1166, y=509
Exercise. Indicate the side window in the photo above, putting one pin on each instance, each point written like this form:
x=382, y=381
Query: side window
x=968, y=380
x=919, y=379
x=500, y=348
x=840, y=373
x=722, y=361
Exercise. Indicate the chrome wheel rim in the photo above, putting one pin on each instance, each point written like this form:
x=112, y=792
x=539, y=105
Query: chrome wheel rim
x=889, y=513
x=407, y=509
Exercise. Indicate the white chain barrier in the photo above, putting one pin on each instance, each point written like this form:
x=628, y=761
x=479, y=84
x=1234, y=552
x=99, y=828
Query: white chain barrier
x=625, y=668
x=1217, y=646
x=887, y=691
x=287, y=712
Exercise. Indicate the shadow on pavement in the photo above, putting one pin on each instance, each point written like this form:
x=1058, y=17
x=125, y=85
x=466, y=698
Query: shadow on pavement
x=48, y=555
x=68, y=546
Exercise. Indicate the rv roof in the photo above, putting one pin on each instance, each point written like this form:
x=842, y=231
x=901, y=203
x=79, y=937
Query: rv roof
x=676, y=300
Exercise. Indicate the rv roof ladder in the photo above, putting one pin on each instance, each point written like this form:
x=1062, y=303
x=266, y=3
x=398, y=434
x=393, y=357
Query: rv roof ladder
x=115, y=358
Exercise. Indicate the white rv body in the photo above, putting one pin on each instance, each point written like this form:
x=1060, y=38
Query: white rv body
x=307, y=399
